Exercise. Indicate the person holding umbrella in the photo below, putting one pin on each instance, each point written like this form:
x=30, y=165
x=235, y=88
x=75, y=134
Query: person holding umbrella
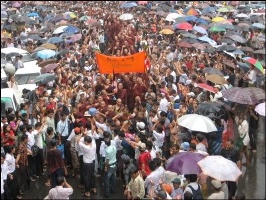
x=217, y=194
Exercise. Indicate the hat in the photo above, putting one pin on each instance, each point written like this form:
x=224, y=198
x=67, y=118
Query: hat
x=87, y=114
x=77, y=130
x=142, y=146
x=185, y=146
x=217, y=184
x=162, y=194
x=140, y=126
x=176, y=180
x=125, y=157
x=188, y=82
x=192, y=94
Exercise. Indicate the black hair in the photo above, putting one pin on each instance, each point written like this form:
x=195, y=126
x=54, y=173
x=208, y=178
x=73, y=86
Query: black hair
x=88, y=139
x=158, y=161
x=53, y=142
x=24, y=137
x=9, y=148
x=152, y=165
x=60, y=180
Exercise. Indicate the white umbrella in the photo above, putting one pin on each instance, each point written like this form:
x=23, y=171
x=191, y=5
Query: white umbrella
x=126, y=16
x=220, y=168
x=195, y=122
x=59, y=29
x=260, y=109
x=242, y=15
x=173, y=15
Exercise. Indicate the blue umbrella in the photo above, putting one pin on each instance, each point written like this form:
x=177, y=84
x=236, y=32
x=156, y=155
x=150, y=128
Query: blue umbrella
x=46, y=53
x=207, y=39
x=200, y=30
x=258, y=25
x=34, y=14
x=243, y=66
x=71, y=29
x=66, y=35
x=55, y=40
x=201, y=21
x=190, y=18
x=128, y=5
x=208, y=10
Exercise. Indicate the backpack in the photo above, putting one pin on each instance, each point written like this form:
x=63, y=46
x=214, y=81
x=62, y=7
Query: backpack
x=197, y=194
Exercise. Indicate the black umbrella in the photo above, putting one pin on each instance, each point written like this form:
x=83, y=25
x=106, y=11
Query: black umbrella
x=63, y=52
x=212, y=70
x=210, y=50
x=212, y=110
x=35, y=37
x=45, y=78
x=10, y=27
x=226, y=48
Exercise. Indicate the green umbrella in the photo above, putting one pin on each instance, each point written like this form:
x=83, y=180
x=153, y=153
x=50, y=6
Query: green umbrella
x=217, y=29
x=223, y=9
x=84, y=18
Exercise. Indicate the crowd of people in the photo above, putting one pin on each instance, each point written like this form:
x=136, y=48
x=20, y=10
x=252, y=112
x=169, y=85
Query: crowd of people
x=93, y=127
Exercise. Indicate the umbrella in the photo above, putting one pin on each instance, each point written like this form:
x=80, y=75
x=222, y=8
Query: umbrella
x=184, y=44
x=190, y=18
x=49, y=68
x=238, y=52
x=238, y=38
x=217, y=29
x=45, y=78
x=207, y=39
x=59, y=30
x=34, y=14
x=207, y=87
x=230, y=64
x=46, y=53
x=258, y=25
x=172, y=15
x=250, y=95
x=220, y=168
x=10, y=27
x=70, y=15
x=166, y=32
x=212, y=110
x=223, y=9
x=35, y=37
x=210, y=50
x=49, y=46
x=200, y=30
x=260, y=109
x=84, y=18
x=46, y=62
x=142, y=2
x=246, y=49
x=218, y=19
x=226, y=48
x=183, y=26
x=195, y=122
x=214, y=78
x=16, y=5
x=126, y=16
x=189, y=35
x=185, y=163
x=54, y=40
x=199, y=46
x=39, y=49
x=242, y=15
x=260, y=51
x=71, y=29
x=212, y=70
x=128, y=5
x=66, y=35
x=63, y=52
x=254, y=62
x=192, y=11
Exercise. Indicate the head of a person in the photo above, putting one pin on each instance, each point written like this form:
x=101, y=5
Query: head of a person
x=3, y=157
x=229, y=144
x=175, y=149
x=176, y=183
x=24, y=138
x=152, y=165
x=60, y=180
x=199, y=137
x=191, y=177
x=135, y=173
x=87, y=139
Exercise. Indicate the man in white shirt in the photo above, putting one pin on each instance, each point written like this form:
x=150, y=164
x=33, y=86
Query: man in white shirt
x=163, y=103
x=159, y=134
x=88, y=148
x=252, y=76
x=62, y=191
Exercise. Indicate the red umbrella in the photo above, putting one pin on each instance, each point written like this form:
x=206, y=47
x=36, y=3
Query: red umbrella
x=199, y=46
x=206, y=87
x=184, y=26
x=184, y=44
x=142, y=2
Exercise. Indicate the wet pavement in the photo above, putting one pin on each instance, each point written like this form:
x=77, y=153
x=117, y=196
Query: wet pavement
x=251, y=183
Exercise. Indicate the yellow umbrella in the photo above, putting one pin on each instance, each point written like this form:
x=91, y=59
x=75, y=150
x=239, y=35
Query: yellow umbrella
x=166, y=32
x=218, y=19
x=214, y=78
x=49, y=46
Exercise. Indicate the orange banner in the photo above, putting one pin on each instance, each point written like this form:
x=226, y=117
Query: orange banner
x=122, y=64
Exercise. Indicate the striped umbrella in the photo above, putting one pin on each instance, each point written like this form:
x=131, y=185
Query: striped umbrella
x=254, y=62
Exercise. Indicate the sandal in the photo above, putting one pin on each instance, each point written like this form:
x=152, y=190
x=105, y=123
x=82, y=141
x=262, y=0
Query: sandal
x=86, y=194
